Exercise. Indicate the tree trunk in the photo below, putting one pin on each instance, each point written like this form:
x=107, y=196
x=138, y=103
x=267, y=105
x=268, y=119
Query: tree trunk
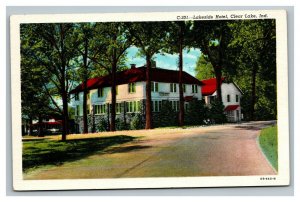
x=253, y=94
x=65, y=117
x=218, y=83
x=113, y=97
x=40, y=127
x=148, y=94
x=85, y=92
x=30, y=126
x=84, y=107
x=181, y=100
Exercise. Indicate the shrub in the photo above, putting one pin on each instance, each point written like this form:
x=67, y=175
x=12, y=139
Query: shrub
x=136, y=122
x=120, y=124
x=216, y=112
x=196, y=112
x=102, y=126
x=167, y=116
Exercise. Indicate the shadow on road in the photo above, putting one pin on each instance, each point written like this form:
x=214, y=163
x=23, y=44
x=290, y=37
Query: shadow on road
x=255, y=126
x=126, y=149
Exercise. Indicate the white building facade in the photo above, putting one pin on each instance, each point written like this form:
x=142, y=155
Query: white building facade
x=131, y=95
x=231, y=97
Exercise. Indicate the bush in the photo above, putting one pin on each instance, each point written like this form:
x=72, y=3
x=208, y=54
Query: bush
x=167, y=116
x=120, y=124
x=196, y=112
x=216, y=112
x=136, y=122
x=102, y=126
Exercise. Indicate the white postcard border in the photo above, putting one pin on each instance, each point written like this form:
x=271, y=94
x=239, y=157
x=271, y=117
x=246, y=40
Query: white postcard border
x=282, y=101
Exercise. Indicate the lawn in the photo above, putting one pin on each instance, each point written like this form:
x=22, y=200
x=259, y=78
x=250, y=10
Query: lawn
x=42, y=152
x=268, y=143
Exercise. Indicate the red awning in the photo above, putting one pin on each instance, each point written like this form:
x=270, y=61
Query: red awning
x=231, y=107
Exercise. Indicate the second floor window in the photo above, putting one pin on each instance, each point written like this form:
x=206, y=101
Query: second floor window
x=173, y=87
x=237, y=98
x=131, y=88
x=100, y=92
x=154, y=86
x=76, y=96
x=228, y=98
x=194, y=89
x=184, y=87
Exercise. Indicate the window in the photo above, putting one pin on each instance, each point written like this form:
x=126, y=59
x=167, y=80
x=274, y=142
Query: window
x=173, y=87
x=76, y=96
x=237, y=98
x=100, y=92
x=175, y=105
x=228, y=98
x=194, y=89
x=131, y=88
x=154, y=86
x=156, y=105
x=118, y=108
x=88, y=95
x=184, y=88
x=133, y=106
x=77, y=112
x=100, y=109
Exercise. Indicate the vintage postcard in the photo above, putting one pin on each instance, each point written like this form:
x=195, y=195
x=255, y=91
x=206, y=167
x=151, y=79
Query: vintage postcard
x=150, y=100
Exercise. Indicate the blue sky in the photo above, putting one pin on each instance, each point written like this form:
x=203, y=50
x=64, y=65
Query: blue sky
x=167, y=61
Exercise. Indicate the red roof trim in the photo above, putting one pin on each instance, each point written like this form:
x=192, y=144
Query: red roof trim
x=138, y=74
x=231, y=107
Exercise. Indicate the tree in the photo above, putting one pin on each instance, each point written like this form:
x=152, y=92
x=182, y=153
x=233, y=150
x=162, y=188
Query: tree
x=179, y=39
x=34, y=101
x=213, y=37
x=255, y=69
x=108, y=52
x=53, y=48
x=203, y=69
x=150, y=37
x=85, y=33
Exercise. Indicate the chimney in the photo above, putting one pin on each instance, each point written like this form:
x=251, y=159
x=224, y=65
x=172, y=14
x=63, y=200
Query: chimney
x=132, y=66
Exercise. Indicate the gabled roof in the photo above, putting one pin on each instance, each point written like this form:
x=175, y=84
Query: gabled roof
x=138, y=74
x=209, y=86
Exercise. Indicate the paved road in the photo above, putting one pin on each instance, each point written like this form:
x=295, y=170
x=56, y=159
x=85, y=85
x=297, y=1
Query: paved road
x=229, y=150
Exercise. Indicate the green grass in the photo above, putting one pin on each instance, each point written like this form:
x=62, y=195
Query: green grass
x=268, y=143
x=44, y=152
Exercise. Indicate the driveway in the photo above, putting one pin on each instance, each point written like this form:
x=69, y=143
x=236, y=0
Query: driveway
x=226, y=150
